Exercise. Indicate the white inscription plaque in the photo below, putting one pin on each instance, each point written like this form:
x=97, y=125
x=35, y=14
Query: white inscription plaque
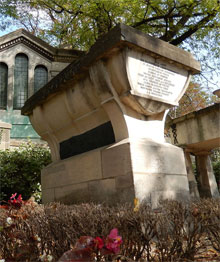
x=156, y=79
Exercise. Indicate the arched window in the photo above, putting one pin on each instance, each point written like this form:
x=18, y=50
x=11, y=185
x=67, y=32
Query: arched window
x=40, y=77
x=20, y=80
x=3, y=85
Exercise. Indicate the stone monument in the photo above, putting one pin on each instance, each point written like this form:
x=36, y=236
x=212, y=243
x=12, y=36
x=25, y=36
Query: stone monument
x=103, y=118
x=198, y=133
x=5, y=129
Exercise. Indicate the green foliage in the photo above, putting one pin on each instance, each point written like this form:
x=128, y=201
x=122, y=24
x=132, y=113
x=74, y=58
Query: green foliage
x=82, y=22
x=20, y=170
x=215, y=157
x=216, y=169
x=194, y=99
x=192, y=24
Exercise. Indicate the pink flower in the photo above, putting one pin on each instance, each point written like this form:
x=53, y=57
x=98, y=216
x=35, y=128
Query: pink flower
x=13, y=196
x=19, y=198
x=113, y=241
x=86, y=246
x=16, y=202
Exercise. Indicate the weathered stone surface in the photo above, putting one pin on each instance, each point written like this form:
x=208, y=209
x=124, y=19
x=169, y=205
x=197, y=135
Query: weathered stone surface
x=125, y=195
x=182, y=196
x=152, y=157
x=166, y=186
x=158, y=167
x=118, y=177
x=52, y=176
x=198, y=133
x=125, y=181
x=80, y=169
x=85, y=167
x=199, y=130
x=48, y=195
x=103, y=191
x=176, y=182
x=116, y=161
x=70, y=194
x=193, y=189
x=5, y=129
x=207, y=181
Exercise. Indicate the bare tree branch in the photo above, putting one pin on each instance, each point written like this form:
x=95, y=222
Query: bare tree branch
x=193, y=29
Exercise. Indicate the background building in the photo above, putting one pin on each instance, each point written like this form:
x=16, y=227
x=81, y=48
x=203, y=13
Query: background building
x=26, y=64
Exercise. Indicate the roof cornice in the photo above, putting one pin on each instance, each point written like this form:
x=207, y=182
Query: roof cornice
x=23, y=40
x=22, y=36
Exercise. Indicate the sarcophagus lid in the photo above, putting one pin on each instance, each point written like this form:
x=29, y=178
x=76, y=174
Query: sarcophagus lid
x=147, y=74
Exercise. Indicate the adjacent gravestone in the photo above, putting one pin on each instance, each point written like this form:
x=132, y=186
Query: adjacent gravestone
x=103, y=117
x=5, y=129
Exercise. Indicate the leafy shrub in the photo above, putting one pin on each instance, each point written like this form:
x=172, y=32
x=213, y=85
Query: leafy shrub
x=20, y=169
x=175, y=232
x=216, y=169
x=216, y=165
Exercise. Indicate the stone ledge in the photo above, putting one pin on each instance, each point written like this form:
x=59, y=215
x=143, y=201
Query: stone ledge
x=5, y=125
x=194, y=114
x=120, y=37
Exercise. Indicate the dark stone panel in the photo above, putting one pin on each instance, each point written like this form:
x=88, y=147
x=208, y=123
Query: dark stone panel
x=102, y=135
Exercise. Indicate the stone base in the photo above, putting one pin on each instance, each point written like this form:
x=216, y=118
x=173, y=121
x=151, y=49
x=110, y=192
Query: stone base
x=118, y=173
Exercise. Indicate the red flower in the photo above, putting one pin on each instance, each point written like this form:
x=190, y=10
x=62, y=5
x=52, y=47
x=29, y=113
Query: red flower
x=98, y=242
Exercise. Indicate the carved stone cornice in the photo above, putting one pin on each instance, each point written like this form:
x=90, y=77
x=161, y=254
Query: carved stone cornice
x=51, y=53
x=64, y=59
x=23, y=40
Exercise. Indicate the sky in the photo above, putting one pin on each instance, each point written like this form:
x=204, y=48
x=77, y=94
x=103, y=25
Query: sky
x=8, y=31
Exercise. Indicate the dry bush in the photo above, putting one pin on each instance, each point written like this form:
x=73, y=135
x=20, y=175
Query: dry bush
x=19, y=239
x=180, y=230
x=137, y=230
x=211, y=210
x=68, y=223
x=53, y=228
x=176, y=232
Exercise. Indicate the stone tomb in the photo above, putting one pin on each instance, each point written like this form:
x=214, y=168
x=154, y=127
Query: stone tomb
x=103, y=118
x=198, y=133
